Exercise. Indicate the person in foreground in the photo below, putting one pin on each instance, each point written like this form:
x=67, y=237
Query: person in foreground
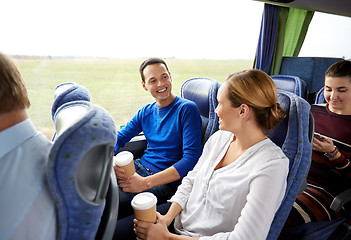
x=172, y=128
x=239, y=181
x=330, y=171
x=26, y=205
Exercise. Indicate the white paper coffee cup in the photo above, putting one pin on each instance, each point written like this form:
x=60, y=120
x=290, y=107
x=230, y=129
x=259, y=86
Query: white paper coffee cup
x=144, y=205
x=124, y=160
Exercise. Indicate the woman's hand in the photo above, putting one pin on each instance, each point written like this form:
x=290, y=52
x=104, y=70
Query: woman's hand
x=152, y=231
x=322, y=144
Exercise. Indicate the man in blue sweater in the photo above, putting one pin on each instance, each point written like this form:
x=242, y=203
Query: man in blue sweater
x=172, y=128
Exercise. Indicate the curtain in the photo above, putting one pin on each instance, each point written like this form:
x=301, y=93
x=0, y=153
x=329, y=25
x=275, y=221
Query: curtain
x=296, y=29
x=293, y=26
x=283, y=31
x=266, y=41
x=279, y=46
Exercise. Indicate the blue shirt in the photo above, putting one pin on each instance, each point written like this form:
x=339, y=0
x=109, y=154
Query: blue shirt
x=173, y=134
x=27, y=210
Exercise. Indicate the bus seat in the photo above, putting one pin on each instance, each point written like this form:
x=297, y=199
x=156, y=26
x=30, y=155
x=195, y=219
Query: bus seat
x=67, y=92
x=109, y=216
x=342, y=225
x=80, y=170
x=203, y=91
x=294, y=136
x=137, y=145
x=292, y=84
x=320, y=97
x=310, y=69
x=336, y=229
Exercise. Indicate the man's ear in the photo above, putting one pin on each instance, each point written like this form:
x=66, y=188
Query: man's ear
x=143, y=84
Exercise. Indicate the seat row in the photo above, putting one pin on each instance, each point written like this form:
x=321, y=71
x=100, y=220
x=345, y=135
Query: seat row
x=75, y=116
x=294, y=135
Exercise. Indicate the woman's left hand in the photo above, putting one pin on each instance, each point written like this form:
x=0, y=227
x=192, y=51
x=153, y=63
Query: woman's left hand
x=152, y=231
x=322, y=144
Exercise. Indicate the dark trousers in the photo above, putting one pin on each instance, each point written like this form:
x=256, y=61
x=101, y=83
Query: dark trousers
x=125, y=226
x=163, y=192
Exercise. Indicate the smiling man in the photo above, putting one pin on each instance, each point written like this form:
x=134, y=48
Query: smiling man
x=172, y=128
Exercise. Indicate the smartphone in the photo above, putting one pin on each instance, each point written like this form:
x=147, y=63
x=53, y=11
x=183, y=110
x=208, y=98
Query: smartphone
x=319, y=136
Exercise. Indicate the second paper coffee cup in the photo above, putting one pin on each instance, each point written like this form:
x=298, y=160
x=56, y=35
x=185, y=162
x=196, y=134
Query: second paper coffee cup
x=144, y=205
x=125, y=160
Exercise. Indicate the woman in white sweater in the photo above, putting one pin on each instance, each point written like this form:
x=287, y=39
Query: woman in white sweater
x=239, y=181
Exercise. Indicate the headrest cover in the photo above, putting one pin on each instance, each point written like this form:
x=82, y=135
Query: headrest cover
x=80, y=166
x=63, y=87
x=68, y=115
x=201, y=91
x=67, y=92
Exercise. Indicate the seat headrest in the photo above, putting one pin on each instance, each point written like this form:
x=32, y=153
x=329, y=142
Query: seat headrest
x=200, y=91
x=80, y=166
x=286, y=134
x=67, y=92
x=310, y=69
x=320, y=97
x=279, y=132
x=290, y=83
x=69, y=115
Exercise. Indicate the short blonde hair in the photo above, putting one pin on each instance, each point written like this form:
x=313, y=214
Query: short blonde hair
x=257, y=90
x=13, y=93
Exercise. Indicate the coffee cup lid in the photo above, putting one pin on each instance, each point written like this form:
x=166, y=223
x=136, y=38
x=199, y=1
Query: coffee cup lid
x=144, y=201
x=123, y=158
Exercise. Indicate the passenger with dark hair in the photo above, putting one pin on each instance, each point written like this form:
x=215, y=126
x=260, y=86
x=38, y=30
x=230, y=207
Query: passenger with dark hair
x=240, y=168
x=26, y=205
x=172, y=128
x=330, y=172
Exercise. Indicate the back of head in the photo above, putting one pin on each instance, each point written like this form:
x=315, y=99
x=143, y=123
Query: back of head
x=150, y=61
x=13, y=94
x=257, y=90
x=339, y=69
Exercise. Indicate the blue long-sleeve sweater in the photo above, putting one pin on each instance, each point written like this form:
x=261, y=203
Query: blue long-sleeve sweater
x=173, y=134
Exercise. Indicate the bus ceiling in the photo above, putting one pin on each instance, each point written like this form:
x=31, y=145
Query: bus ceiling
x=338, y=7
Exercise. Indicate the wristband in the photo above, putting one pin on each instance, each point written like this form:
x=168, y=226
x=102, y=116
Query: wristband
x=331, y=154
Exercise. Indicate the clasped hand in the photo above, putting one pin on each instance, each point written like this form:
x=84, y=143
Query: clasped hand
x=152, y=231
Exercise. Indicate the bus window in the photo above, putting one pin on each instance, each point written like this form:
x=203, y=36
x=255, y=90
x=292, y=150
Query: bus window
x=101, y=46
x=328, y=36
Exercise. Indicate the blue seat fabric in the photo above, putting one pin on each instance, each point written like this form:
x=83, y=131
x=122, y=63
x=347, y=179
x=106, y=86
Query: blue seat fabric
x=310, y=69
x=72, y=92
x=203, y=91
x=79, y=171
x=292, y=84
x=293, y=136
x=320, y=97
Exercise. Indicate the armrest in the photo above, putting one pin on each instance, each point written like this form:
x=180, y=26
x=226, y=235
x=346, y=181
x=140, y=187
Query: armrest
x=109, y=218
x=136, y=145
x=341, y=200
